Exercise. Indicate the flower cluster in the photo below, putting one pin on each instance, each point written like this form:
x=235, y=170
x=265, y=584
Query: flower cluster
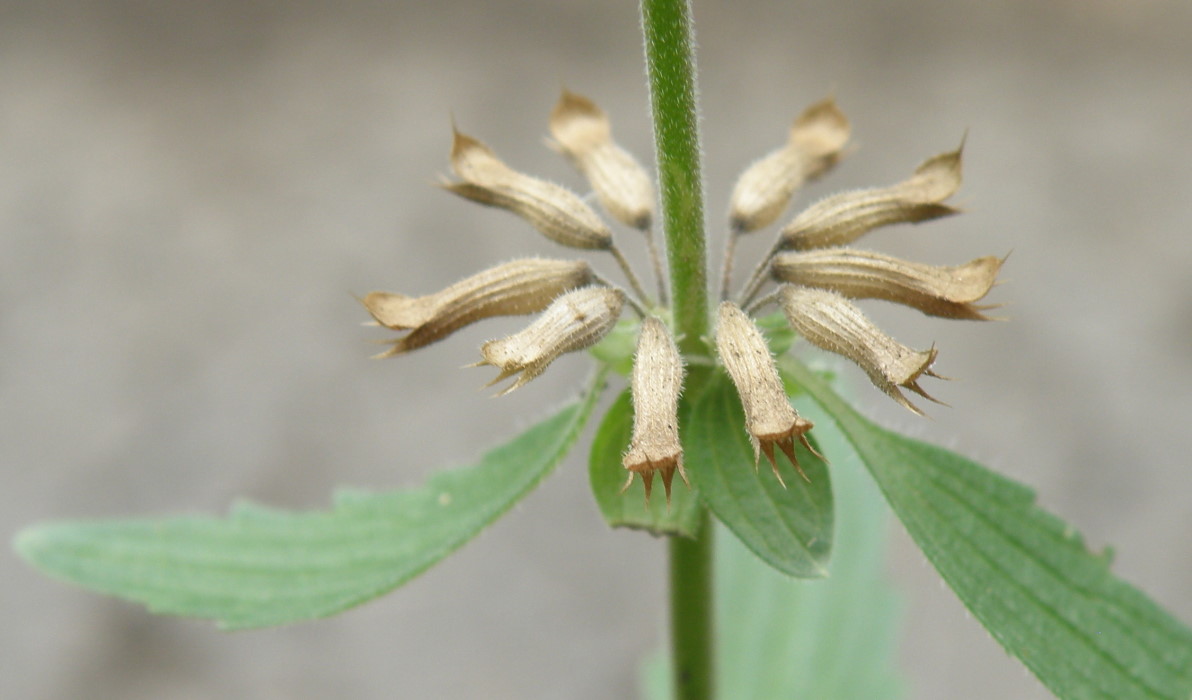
x=817, y=278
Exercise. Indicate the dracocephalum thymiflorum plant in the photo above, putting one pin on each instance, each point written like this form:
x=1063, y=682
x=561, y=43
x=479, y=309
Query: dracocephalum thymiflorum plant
x=709, y=393
x=817, y=277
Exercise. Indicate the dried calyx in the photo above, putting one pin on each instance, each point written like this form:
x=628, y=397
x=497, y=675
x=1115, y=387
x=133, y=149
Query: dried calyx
x=831, y=322
x=655, y=385
x=842, y=218
x=769, y=416
x=765, y=188
x=558, y=213
x=582, y=132
x=574, y=321
x=936, y=290
x=515, y=288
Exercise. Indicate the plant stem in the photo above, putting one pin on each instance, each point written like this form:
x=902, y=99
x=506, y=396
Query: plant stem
x=691, y=608
x=670, y=60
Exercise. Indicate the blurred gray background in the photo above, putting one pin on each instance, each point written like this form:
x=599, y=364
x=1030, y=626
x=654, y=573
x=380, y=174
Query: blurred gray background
x=191, y=193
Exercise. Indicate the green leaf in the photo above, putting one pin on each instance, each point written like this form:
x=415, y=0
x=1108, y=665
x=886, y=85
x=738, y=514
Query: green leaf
x=829, y=638
x=608, y=476
x=789, y=528
x=616, y=349
x=795, y=638
x=1025, y=574
x=261, y=567
x=777, y=331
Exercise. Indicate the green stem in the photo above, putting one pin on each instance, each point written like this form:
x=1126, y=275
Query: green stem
x=691, y=607
x=670, y=60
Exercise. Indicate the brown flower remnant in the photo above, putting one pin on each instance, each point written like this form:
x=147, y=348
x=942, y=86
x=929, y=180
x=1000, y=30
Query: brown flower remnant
x=815, y=144
x=843, y=218
x=769, y=416
x=582, y=132
x=558, y=213
x=936, y=290
x=574, y=321
x=656, y=383
x=829, y=321
x=516, y=288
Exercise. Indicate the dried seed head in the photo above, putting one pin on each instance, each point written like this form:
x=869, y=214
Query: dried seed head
x=857, y=274
x=556, y=212
x=843, y=218
x=829, y=321
x=581, y=132
x=769, y=416
x=574, y=321
x=657, y=381
x=518, y=287
x=766, y=187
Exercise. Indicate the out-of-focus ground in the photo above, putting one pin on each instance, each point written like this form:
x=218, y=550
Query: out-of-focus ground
x=191, y=193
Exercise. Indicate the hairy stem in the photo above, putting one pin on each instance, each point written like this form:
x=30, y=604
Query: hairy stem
x=691, y=606
x=670, y=61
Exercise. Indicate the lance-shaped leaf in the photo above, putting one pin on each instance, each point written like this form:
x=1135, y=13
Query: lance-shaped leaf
x=582, y=132
x=936, y=290
x=765, y=188
x=778, y=637
x=260, y=567
x=574, y=321
x=843, y=218
x=1027, y=576
x=831, y=322
x=789, y=527
x=513, y=289
x=558, y=213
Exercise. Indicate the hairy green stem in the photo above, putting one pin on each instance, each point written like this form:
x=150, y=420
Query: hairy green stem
x=691, y=607
x=670, y=61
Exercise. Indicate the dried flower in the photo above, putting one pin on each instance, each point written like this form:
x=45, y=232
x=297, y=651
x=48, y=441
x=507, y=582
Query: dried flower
x=935, y=290
x=582, y=133
x=765, y=188
x=574, y=321
x=843, y=218
x=769, y=416
x=558, y=213
x=829, y=321
x=656, y=384
x=515, y=288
